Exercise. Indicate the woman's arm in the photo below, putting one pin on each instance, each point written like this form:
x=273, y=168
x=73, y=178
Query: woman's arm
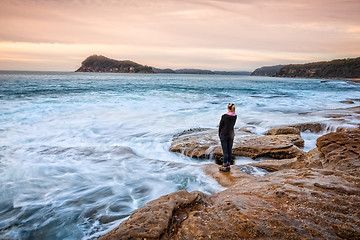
x=221, y=125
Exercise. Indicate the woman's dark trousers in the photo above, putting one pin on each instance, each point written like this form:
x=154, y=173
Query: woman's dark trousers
x=226, y=145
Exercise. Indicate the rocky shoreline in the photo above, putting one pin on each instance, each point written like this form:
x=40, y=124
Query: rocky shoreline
x=310, y=195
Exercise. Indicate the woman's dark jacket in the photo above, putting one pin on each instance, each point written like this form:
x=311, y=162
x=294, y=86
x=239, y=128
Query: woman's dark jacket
x=226, y=127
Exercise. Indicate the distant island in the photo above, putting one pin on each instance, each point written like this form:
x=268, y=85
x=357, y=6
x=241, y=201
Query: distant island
x=98, y=63
x=339, y=68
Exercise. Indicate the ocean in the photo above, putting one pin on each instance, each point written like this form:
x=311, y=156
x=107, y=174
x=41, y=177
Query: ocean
x=79, y=152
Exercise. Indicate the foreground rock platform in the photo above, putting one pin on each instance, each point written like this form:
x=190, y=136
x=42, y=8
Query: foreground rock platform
x=315, y=195
x=280, y=144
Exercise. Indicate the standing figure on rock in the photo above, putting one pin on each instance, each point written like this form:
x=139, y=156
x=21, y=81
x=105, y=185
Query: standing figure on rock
x=226, y=135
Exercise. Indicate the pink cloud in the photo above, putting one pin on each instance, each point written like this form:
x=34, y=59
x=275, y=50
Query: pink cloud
x=318, y=28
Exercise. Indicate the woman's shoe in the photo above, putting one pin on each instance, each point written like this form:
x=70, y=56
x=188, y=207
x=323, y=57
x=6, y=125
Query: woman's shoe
x=224, y=169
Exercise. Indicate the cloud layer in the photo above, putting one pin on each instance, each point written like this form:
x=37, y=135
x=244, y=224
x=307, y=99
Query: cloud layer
x=213, y=34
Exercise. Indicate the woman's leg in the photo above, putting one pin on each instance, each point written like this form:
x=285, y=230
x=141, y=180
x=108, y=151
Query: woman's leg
x=229, y=145
x=225, y=148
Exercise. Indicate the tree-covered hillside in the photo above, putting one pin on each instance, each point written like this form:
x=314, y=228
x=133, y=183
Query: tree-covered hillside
x=98, y=63
x=341, y=68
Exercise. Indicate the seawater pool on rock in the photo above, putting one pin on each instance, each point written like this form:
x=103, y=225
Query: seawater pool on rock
x=242, y=164
x=80, y=152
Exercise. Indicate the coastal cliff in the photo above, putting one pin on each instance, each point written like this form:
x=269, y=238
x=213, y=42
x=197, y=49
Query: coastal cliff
x=340, y=68
x=98, y=63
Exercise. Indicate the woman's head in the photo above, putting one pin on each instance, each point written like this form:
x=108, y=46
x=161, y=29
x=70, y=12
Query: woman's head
x=231, y=107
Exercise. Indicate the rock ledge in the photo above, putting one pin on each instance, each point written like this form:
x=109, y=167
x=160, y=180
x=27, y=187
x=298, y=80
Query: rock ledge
x=315, y=195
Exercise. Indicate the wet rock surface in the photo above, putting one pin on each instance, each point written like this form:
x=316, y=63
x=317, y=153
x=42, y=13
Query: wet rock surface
x=276, y=165
x=282, y=142
x=291, y=204
x=283, y=130
x=200, y=144
x=158, y=218
x=226, y=179
x=348, y=117
x=314, y=127
x=206, y=144
x=315, y=195
x=274, y=146
x=340, y=149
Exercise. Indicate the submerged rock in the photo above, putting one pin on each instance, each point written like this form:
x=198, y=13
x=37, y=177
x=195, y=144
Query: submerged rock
x=348, y=102
x=314, y=196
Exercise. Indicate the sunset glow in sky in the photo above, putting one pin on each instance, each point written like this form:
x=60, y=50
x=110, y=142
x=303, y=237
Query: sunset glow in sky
x=207, y=34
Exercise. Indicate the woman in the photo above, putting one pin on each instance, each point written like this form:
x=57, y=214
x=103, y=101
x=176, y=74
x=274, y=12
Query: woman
x=226, y=135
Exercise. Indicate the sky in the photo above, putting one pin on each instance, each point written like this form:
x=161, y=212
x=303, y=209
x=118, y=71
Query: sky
x=57, y=35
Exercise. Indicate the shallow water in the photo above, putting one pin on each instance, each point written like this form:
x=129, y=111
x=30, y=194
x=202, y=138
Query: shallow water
x=80, y=152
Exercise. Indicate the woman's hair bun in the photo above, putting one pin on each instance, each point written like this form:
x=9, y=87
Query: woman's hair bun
x=231, y=106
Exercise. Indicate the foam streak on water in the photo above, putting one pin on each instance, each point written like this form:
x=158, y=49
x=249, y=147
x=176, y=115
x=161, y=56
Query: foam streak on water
x=80, y=152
